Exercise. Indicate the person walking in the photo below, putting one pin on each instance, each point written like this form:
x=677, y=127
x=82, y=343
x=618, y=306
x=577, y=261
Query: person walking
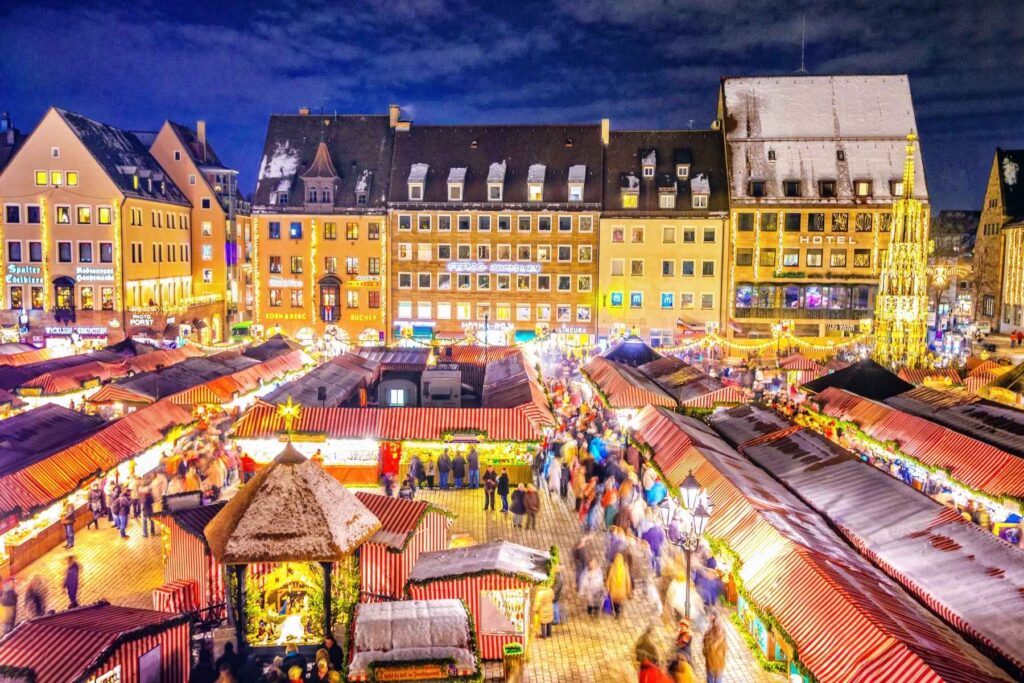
x=68, y=519
x=714, y=649
x=490, y=485
x=532, y=501
x=8, y=607
x=408, y=489
x=459, y=470
x=71, y=577
x=35, y=596
x=538, y=468
x=503, y=488
x=554, y=481
x=473, y=461
x=564, y=479
x=444, y=466
x=556, y=589
x=592, y=588
x=95, y=505
x=430, y=471
x=158, y=489
x=416, y=470
x=544, y=608
x=133, y=495
x=518, y=505
x=388, y=482
x=619, y=584
x=124, y=505
x=146, y=501
x=578, y=481
x=248, y=466
x=682, y=671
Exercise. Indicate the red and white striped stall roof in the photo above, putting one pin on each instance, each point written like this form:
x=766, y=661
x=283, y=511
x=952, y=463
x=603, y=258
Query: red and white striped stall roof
x=624, y=386
x=89, y=641
x=983, y=366
x=847, y=620
x=798, y=361
x=918, y=376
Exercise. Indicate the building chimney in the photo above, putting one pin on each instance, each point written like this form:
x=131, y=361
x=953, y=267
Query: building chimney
x=201, y=136
x=303, y=111
x=394, y=111
x=606, y=127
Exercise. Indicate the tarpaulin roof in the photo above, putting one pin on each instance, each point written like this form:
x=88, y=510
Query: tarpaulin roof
x=974, y=580
x=398, y=517
x=278, y=345
x=499, y=557
x=848, y=621
x=631, y=351
x=513, y=383
x=666, y=381
x=60, y=473
x=68, y=645
x=918, y=376
x=33, y=435
x=798, y=361
x=624, y=386
x=194, y=520
x=976, y=464
x=341, y=377
x=64, y=380
x=13, y=376
x=865, y=378
x=147, y=387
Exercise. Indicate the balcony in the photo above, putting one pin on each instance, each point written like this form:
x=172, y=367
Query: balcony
x=802, y=313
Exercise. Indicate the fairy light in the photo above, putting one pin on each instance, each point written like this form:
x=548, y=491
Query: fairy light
x=757, y=245
x=876, y=225
x=118, y=265
x=312, y=273
x=257, y=294
x=778, y=253
x=732, y=270
x=385, y=270
x=44, y=234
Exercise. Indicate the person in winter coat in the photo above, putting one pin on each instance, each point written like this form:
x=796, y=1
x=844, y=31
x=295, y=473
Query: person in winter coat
x=430, y=471
x=503, y=487
x=490, y=485
x=538, y=469
x=444, y=467
x=35, y=596
x=682, y=671
x=122, y=506
x=518, y=505
x=556, y=589
x=610, y=503
x=554, y=479
x=146, y=499
x=564, y=479
x=68, y=519
x=71, y=581
x=592, y=588
x=619, y=584
x=675, y=596
x=578, y=483
x=8, y=607
x=544, y=608
x=95, y=505
x=714, y=650
x=158, y=487
x=416, y=470
x=473, y=463
x=648, y=656
x=655, y=537
x=532, y=501
x=459, y=470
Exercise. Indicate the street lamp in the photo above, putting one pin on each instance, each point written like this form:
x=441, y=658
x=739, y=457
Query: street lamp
x=687, y=536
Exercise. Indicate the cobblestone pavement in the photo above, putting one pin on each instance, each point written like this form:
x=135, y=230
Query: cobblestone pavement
x=585, y=648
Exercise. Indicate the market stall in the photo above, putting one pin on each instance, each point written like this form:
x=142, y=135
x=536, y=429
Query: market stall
x=797, y=369
x=187, y=554
x=413, y=640
x=494, y=580
x=303, y=528
x=101, y=643
x=408, y=528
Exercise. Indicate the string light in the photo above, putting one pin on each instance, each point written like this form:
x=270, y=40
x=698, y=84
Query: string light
x=118, y=265
x=757, y=245
x=257, y=294
x=312, y=273
x=44, y=232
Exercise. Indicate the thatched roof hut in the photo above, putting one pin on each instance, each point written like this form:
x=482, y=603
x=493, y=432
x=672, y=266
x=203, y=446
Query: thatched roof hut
x=291, y=511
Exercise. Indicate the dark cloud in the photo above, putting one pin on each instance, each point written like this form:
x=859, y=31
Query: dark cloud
x=642, y=63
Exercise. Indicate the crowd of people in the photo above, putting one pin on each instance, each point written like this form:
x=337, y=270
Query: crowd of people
x=289, y=667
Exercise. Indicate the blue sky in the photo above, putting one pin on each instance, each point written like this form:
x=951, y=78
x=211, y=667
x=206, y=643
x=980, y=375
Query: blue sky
x=642, y=63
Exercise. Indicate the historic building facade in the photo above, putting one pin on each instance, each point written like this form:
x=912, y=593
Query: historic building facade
x=319, y=251
x=999, y=247
x=815, y=164
x=494, y=232
x=663, y=234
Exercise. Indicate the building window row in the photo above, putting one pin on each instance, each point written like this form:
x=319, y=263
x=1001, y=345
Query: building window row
x=539, y=253
x=666, y=301
x=499, y=312
x=839, y=221
x=169, y=253
x=637, y=267
x=56, y=178
x=638, y=233
x=808, y=297
x=485, y=282
x=487, y=223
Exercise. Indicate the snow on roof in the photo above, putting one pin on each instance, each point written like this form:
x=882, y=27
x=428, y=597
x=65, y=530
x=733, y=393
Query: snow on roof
x=1010, y=170
x=699, y=184
x=282, y=164
x=630, y=181
x=501, y=556
x=418, y=173
x=649, y=157
x=412, y=630
x=577, y=173
x=536, y=173
x=457, y=174
x=363, y=183
x=496, y=173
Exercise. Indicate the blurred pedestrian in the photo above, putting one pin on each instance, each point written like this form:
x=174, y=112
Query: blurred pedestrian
x=532, y=501
x=146, y=498
x=490, y=485
x=619, y=584
x=503, y=488
x=71, y=577
x=95, y=504
x=459, y=470
x=544, y=608
x=473, y=462
x=444, y=467
x=592, y=588
x=35, y=596
x=68, y=519
x=8, y=607
x=430, y=471
x=714, y=649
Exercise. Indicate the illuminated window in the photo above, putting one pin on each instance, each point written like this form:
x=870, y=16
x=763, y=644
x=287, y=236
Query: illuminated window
x=767, y=257
x=405, y=309
x=404, y=251
x=636, y=267
x=584, y=283
x=563, y=313
x=523, y=312
x=72, y=178
x=637, y=235
x=295, y=230
x=666, y=200
x=84, y=215
x=87, y=298
x=331, y=265
x=373, y=231
x=837, y=258
x=585, y=253
x=424, y=251
x=296, y=264
x=861, y=258
x=536, y=192
x=463, y=311
x=543, y=312
x=862, y=188
x=444, y=310
x=668, y=300
x=615, y=299
x=791, y=257
x=503, y=312
x=504, y=252
x=636, y=299
x=41, y=178
x=17, y=298
x=352, y=298
x=56, y=178
x=444, y=281
x=618, y=266
x=523, y=283
x=629, y=200
x=700, y=201
x=295, y=298
x=63, y=215
x=840, y=222
x=422, y=223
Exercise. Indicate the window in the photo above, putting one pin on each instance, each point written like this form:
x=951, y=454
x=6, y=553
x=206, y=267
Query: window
x=464, y=252
x=524, y=252
x=523, y=312
x=72, y=178
x=768, y=257
x=405, y=309
x=636, y=235
x=583, y=314
x=543, y=312
x=87, y=298
x=769, y=222
x=896, y=188
x=32, y=214
x=454, y=192
x=415, y=192
x=64, y=215
x=636, y=267
x=14, y=252
x=494, y=192
x=618, y=266
x=296, y=264
x=629, y=200
x=85, y=252
x=689, y=268
x=404, y=251
x=373, y=265
x=884, y=222
x=863, y=222
x=42, y=179
x=709, y=235
x=37, y=298
x=57, y=178
x=815, y=222
x=840, y=222
x=483, y=282
x=700, y=201
x=791, y=257
x=444, y=223
x=444, y=252
x=668, y=300
x=483, y=252
x=483, y=311
x=826, y=188
x=524, y=224
x=615, y=299
x=563, y=313
x=206, y=253
x=523, y=283
x=352, y=298
x=404, y=282
x=543, y=283
x=423, y=223
x=564, y=283
x=504, y=252
x=462, y=311
x=275, y=264
x=707, y=268
x=861, y=258
x=536, y=192
x=504, y=224
x=585, y=224
x=464, y=223
x=192, y=181
x=295, y=230
x=564, y=253
x=814, y=258
x=503, y=282
x=689, y=235
x=404, y=223
x=565, y=224
x=424, y=252
x=12, y=213
x=64, y=252
x=668, y=235
x=862, y=188
x=837, y=258
x=543, y=223
x=351, y=231
x=444, y=311
x=636, y=299
x=584, y=283
x=792, y=222
x=423, y=281
x=274, y=230
x=791, y=188
x=295, y=298
x=744, y=257
x=707, y=301
x=575, y=192
x=618, y=235
x=35, y=252
x=668, y=268
x=373, y=231
x=444, y=280
x=17, y=298
x=745, y=222
x=351, y=265
x=757, y=188
x=331, y=265
x=666, y=200
x=585, y=253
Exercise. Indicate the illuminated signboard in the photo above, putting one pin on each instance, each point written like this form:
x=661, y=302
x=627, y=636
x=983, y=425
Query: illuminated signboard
x=284, y=282
x=90, y=274
x=498, y=268
x=23, y=275
x=140, y=320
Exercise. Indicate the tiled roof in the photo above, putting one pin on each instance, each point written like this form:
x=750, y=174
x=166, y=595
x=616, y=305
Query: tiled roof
x=123, y=156
x=545, y=152
x=202, y=155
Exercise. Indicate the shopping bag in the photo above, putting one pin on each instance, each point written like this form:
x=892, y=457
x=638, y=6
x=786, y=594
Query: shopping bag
x=607, y=608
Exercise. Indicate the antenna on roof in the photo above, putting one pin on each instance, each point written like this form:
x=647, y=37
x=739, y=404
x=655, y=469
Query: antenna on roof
x=802, y=71
x=689, y=125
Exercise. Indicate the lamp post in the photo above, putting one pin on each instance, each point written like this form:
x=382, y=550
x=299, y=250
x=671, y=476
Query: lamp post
x=687, y=535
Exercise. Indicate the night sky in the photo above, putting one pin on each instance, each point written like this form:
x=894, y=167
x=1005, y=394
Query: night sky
x=641, y=63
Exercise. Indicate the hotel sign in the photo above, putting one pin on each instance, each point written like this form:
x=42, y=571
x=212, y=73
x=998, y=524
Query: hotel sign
x=496, y=268
x=90, y=274
x=23, y=275
x=829, y=239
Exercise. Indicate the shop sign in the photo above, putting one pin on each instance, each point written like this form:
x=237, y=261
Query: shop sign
x=829, y=239
x=841, y=327
x=68, y=331
x=140, y=320
x=493, y=327
x=90, y=274
x=23, y=275
x=284, y=316
x=415, y=323
x=363, y=317
x=304, y=438
x=112, y=676
x=413, y=672
x=363, y=281
x=572, y=330
x=499, y=268
x=278, y=282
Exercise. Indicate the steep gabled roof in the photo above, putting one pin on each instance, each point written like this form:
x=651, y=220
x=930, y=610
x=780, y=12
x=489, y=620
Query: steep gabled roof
x=865, y=378
x=322, y=167
x=202, y=155
x=123, y=156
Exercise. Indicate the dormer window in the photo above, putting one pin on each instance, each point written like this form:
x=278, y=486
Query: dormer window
x=495, y=181
x=535, y=182
x=791, y=188
x=896, y=188
x=362, y=198
x=135, y=181
x=757, y=188
x=682, y=171
x=282, y=197
x=320, y=179
x=826, y=188
x=325, y=196
x=666, y=200
x=417, y=179
x=313, y=197
x=456, y=183
x=700, y=190
x=862, y=188
x=577, y=179
x=648, y=160
x=840, y=155
x=629, y=188
x=363, y=187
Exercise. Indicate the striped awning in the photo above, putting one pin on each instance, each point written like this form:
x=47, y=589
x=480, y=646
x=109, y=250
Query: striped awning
x=847, y=620
x=730, y=393
x=624, y=387
x=117, y=393
x=918, y=376
x=800, y=362
x=399, y=518
x=65, y=380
